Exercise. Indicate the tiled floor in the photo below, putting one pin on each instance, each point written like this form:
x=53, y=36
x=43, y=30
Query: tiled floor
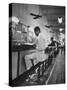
x=55, y=74
x=58, y=75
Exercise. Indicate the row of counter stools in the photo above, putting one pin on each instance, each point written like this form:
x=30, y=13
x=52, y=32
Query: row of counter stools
x=41, y=67
x=44, y=66
x=38, y=69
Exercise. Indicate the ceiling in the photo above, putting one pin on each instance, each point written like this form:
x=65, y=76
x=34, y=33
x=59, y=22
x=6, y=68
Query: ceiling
x=52, y=13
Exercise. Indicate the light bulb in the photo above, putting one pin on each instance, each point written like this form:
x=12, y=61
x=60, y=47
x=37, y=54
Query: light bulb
x=60, y=29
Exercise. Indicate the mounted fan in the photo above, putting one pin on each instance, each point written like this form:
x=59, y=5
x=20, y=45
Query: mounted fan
x=23, y=24
x=48, y=26
x=36, y=16
x=39, y=15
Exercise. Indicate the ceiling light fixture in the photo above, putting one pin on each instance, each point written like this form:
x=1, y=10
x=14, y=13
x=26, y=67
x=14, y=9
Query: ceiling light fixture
x=60, y=29
x=60, y=20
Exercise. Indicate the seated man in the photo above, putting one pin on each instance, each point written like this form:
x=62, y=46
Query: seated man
x=54, y=47
x=53, y=42
x=37, y=56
